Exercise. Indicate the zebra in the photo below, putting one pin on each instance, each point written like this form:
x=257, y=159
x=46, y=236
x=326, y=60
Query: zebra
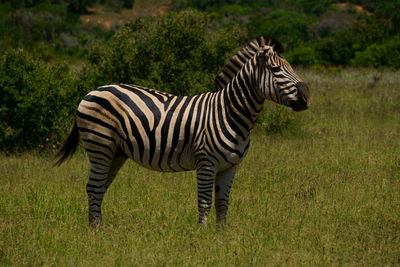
x=208, y=133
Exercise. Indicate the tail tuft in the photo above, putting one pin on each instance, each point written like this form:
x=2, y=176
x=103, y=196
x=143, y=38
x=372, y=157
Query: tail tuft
x=69, y=146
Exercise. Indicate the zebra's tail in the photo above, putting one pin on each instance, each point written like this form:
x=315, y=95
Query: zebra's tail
x=69, y=146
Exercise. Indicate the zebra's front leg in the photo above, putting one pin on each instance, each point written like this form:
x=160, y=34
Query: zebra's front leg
x=205, y=183
x=223, y=184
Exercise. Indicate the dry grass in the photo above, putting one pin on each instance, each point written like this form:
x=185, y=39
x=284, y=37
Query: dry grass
x=107, y=18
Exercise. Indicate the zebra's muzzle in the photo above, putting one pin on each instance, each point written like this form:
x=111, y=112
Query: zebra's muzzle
x=303, y=97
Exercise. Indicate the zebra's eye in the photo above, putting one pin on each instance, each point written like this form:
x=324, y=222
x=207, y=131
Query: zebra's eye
x=276, y=69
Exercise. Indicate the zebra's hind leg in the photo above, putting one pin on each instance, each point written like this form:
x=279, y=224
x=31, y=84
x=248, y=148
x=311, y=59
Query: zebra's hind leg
x=95, y=189
x=205, y=183
x=116, y=165
x=101, y=176
x=223, y=184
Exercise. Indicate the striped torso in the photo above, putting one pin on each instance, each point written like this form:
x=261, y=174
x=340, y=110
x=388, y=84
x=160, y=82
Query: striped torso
x=161, y=131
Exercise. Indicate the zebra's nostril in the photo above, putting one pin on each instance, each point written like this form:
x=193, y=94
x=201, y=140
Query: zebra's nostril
x=304, y=97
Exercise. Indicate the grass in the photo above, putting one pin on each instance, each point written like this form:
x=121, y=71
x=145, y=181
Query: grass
x=324, y=193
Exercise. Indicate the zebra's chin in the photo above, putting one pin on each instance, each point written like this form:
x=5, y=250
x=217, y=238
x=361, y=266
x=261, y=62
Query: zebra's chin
x=298, y=105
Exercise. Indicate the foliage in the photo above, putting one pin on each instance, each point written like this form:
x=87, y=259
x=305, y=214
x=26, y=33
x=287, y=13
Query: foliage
x=306, y=6
x=314, y=7
x=276, y=120
x=288, y=27
x=43, y=22
x=36, y=100
x=341, y=47
x=376, y=55
x=116, y=5
x=303, y=55
x=75, y=6
x=387, y=9
x=210, y=4
x=79, y=6
x=48, y=30
x=314, y=32
x=175, y=53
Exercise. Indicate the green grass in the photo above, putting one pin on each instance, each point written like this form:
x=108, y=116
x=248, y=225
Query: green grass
x=327, y=192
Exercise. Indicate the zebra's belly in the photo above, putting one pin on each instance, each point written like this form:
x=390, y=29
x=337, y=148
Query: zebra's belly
x=168, y=160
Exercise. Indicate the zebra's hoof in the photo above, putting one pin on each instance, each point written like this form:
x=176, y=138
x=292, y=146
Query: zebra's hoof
x=94, y=224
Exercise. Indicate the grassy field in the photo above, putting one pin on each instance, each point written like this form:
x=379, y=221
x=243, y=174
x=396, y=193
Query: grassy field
x=327, y=192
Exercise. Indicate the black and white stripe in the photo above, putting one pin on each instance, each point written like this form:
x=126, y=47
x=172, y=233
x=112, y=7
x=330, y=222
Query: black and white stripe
x=208, y=133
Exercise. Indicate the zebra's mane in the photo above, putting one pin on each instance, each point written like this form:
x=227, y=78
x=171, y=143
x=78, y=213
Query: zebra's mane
x=237, y=61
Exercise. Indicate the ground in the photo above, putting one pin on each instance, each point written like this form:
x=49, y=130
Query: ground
x=324, y=192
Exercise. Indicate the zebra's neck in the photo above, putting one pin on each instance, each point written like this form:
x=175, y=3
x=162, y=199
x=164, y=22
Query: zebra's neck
x=241, y=101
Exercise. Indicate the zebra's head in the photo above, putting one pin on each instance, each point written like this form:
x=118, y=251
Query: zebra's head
x=278, y=81
x=275, y=79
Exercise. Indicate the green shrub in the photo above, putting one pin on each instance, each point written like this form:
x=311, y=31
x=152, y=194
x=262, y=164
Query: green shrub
x=290, y=28
x=176, y=52
x=236, y=10
x=211, y=4
x=35, y=101
x=341, y=47
x=303, y=55
x=316, y=7
x=42, y=22
x=275, y=119
x=47, y=30
x=80, y=6
x=117, y=5
x=386, y=9
x=378, y=55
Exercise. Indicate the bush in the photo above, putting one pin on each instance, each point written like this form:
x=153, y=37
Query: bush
x=341, y=47
x=378, y=55
x=176, y=52
x=43, y=22
x=211, y=4
x=117, y=5
x=80, y=6
x=47, y=30
x=276, y=120
x=316, y=7
x=290, y=28
x=303, y=55
x=386, y=9
x=35, y=101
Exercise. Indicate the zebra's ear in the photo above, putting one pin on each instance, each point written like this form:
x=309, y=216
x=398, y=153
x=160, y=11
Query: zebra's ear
x=278, y=47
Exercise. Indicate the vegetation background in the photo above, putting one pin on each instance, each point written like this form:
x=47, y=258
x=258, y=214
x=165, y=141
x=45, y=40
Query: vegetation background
x=318, y=187
x=54, y=51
